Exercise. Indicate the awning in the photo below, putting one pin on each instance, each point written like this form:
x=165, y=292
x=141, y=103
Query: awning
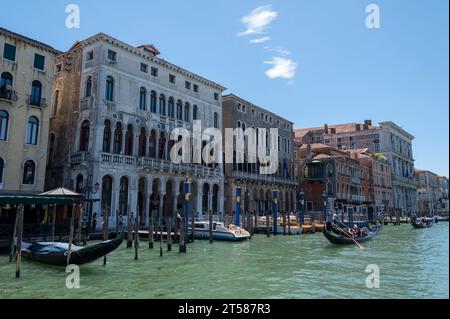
x=15, y=199
x=61, y=191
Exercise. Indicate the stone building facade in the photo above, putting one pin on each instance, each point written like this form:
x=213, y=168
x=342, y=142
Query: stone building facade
x=256, y=188
x=380, y=186
x=110, y=133
x=26, y=71
x=432, y=193
x=325, y=171
x=387, y=138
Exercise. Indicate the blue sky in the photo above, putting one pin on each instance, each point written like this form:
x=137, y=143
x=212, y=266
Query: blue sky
x=335, y=69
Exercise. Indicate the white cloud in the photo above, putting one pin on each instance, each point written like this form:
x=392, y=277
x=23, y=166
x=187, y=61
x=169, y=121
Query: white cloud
x=282, y=68
x=279, y=50
x=258, y=20
x=260, y=40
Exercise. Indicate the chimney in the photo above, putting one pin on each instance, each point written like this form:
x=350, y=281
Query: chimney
x=368, y=123
x=308, y=153
x=358, y=127
x=326, y=128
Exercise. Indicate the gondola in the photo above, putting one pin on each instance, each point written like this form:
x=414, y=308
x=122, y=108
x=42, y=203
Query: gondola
x=339, y=239
x=421, y=223
x=55, y=253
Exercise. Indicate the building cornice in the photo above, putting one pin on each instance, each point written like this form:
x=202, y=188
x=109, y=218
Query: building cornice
x=24, y=39
x=136, y=51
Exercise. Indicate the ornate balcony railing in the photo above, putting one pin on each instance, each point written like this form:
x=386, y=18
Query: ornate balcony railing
x=77, y=158
x=8, y=94
x=262, y=178
x=148, y=163
x=35, y=101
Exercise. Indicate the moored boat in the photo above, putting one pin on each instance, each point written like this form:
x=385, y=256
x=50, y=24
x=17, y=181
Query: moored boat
x=219, y=231
x=55, y=253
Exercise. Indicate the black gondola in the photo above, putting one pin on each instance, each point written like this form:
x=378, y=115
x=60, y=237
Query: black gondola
x=55, y=253
x=330, y=233
x=421, y=223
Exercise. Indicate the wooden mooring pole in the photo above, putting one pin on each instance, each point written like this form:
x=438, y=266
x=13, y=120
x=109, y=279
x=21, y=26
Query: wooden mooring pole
x=53, y=221
x=284, y=223
x=268, y=224
x=150, y=231
x=193, y=227
x=136, y=237
x=182, y=233
x=19, y=211
x=13, y=239
x=169, y=234
x=289, y=223
x=129, y=230
x=80, y=221
x=106, y=228
x=72, y=222
x=210, y=227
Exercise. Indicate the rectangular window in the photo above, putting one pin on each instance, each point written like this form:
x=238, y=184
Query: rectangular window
x=90, y=56
x=339, y=140
x=39, y=61
x=187, y=85
x=172, y=78
x=144, y=68
x=216, y=96
x=154, y=72
x=9, y=52
x=195, y=88
x=239, y=106
x=243, y=108
x=112, y=55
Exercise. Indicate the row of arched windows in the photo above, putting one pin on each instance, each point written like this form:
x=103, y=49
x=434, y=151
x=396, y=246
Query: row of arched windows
x=32, y=130
x=156, y=105
x=28, y=172
x=6, y=92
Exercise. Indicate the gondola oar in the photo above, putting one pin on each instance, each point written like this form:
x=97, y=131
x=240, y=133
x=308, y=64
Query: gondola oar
x=358, y=244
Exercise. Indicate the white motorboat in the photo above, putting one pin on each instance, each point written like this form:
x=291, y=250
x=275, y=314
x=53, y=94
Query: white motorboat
x=219, y=231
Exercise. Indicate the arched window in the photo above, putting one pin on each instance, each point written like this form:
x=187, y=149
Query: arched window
x=162, y=145
x=55, y=102
x=84, y=136
x=129, y=140
x=123, y=194
x=6, y=82
x=4, y=123
x=179, y=110
x=29, y=170
x=171, y=107
x=2, y=166
x=142, y=98
x=162, y=105
x=36, y=93
x=187, y=111
x=117, y=147
x=195, y=112
x=51, y=148
x=107, y=182
x=107, y=137
x=153, y=98
x=79, y=185
x=142, y=142
x=216, y=121
x=152, y=145
x=109, y=94
x=88, y=88
x=32, y=131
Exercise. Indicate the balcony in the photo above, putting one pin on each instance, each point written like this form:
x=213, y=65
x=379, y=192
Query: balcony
x=77, y=158
x=355, y=180
x=7, y=94
x=358, y=198
x=157, y=165
x=35, y=101
x=86, y=103
x=263, y=178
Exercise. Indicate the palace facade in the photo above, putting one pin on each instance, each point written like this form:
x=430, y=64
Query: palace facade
x=110, y=131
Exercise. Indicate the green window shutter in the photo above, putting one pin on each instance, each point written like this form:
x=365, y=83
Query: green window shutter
x=39, y=61
x=9, y=52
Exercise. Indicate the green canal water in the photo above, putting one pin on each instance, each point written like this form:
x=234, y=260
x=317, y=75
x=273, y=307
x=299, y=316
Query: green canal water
x=413, y=263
